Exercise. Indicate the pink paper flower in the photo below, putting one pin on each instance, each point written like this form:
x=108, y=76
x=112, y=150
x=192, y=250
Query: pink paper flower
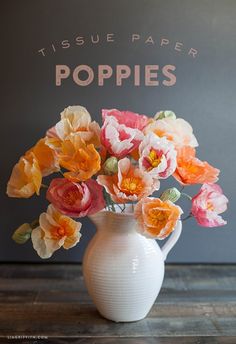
x=121, y=132
x=157, y=156
x=207, y=204
x=76, y=200
x=128, y=118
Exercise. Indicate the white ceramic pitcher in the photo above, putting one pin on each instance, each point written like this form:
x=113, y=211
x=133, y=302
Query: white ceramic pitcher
x=123, y=270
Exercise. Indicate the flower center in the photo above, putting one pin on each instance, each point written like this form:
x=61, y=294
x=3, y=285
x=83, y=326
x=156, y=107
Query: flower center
x=72, y=196
x=158, y=216
x=131, y=185
x=58, y=232
x=209, y=206
x=61, y=231
x=152, y=160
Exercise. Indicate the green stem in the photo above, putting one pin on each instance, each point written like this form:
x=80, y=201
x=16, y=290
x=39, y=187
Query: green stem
x=187, y=217
x=186, y=195
x=120, y=207
x=109, y=202
x=113, y=207
x=34, y=223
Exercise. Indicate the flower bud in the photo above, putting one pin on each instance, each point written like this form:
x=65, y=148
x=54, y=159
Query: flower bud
x=171, y=194
x=164, y=114
x=110, y=166
x=22, y=234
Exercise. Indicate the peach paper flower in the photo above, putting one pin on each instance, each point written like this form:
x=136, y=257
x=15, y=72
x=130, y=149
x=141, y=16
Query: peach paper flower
x=191, y=170
x=121, y=132
x=26, y=177
x=129, y=184
x=157, y=156
x=208, y=204
x=76, y=120
x=156, y=219
x=76, y=200
x=54, y=231
x=176, y=130
x=82, y=160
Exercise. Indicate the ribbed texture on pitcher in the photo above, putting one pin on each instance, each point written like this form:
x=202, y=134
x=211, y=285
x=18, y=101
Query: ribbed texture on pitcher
x=123, y=270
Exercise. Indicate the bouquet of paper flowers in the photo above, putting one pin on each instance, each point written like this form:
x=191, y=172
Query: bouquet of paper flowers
x=121, y=163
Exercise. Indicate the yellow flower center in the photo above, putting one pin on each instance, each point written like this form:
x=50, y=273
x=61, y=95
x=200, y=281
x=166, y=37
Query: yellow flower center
x=153, y=159
x=63, y=228
x=158, y=217
x=209, y=206
x=131, y=185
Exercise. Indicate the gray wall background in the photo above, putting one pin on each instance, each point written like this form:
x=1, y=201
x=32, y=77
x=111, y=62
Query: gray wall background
x=204, y=94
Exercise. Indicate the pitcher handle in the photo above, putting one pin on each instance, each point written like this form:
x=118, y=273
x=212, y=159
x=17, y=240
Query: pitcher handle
x=172, y=240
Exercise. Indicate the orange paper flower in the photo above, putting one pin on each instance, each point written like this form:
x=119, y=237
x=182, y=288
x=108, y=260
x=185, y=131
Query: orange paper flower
x=46, y=157
x=191, y=170
x=26, y=177
x=156, y=219
x=83, y=161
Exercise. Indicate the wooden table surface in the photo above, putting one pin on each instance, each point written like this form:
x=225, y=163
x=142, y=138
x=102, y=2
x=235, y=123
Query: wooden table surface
x=48, y=303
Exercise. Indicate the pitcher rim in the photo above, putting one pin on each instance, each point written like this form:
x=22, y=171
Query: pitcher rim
x=113, y=213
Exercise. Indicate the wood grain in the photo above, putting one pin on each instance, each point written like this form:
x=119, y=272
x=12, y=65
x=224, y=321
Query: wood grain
x=197, y=304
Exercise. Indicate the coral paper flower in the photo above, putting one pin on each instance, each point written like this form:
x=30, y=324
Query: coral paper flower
x=46, y=157
x=128, y=118
x=157, y=156
x=82, y=160
x=177, y=130
x=129, y=184
x=54, y=231
x=76, y=200
x=119, y=139
x=26, y=177
x=191, y=170
x=208, y=204
x=156, y=219
x=76, y=120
